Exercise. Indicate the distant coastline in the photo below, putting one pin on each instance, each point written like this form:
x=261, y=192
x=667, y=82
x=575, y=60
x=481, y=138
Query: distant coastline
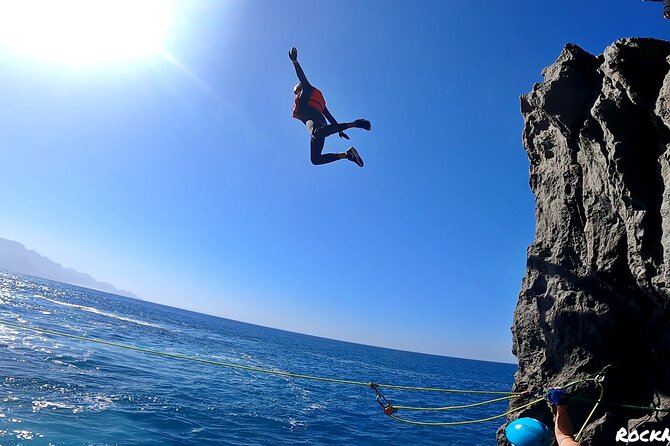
x=17, y=258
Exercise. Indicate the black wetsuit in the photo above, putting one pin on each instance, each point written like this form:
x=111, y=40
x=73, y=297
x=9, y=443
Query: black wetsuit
x=316, y=122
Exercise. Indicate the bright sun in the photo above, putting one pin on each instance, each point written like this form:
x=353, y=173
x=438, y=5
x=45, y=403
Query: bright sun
x=85, y=31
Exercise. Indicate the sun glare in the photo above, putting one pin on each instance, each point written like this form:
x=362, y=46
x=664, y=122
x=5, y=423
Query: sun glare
x=85, y=31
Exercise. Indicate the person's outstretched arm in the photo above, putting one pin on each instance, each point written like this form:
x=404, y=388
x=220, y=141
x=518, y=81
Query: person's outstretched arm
x=293, y=55
x=563, y=427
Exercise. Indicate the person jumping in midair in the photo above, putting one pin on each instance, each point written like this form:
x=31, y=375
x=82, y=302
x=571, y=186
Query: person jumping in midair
x=310, y=108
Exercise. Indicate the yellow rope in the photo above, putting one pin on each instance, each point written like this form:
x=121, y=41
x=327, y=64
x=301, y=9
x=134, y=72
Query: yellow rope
x=595, y=406
x=465, y=406
x=458, y=423
x=184, y=357
x=430, y=389
x=509, y=412
x=238, y=366
x=509, y=395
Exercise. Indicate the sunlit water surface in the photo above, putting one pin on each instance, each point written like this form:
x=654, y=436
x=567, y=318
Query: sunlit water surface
x=62, y=391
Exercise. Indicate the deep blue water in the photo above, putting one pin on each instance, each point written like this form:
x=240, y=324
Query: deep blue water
x=62, y=391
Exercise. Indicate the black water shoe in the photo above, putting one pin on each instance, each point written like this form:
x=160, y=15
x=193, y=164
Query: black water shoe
x=352, y=155
x=363, y=124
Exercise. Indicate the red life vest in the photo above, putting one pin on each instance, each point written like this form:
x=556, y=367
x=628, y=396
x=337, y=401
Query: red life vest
x=315, y=100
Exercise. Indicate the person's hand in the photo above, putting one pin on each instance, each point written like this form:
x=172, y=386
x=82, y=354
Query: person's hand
x=557, y=397
x=293, y=54
x=343, y=135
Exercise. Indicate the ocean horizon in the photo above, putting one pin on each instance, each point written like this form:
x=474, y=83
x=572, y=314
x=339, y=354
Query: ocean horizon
x=224, y=381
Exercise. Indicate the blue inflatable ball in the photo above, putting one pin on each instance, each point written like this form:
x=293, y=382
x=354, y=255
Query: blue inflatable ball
x=528, y=432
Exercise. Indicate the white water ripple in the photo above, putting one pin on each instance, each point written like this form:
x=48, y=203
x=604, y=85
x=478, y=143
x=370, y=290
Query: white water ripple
x=100, y=312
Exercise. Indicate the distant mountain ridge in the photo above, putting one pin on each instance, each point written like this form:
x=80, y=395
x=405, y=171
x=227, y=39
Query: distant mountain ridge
x=17, y=258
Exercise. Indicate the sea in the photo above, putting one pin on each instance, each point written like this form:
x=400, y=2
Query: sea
x=63, y=390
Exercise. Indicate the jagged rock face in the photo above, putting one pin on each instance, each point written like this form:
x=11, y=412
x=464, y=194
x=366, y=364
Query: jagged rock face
x=597, y=284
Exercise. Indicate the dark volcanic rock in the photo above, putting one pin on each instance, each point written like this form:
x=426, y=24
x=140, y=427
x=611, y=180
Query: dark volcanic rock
x=597, y=285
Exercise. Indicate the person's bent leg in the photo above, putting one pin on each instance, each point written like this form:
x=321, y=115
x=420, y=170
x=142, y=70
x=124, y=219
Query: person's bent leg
x=331, y=129
x=317, y=158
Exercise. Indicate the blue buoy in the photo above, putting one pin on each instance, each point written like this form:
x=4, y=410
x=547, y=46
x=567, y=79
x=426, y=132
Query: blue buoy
x=528, y=432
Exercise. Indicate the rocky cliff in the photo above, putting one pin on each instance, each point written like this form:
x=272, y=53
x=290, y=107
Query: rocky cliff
x=597, y=284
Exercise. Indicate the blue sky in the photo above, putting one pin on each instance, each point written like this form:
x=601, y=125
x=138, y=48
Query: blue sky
x=185, y=180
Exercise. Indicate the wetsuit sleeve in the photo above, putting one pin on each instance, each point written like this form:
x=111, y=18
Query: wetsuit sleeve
x=301, y=75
